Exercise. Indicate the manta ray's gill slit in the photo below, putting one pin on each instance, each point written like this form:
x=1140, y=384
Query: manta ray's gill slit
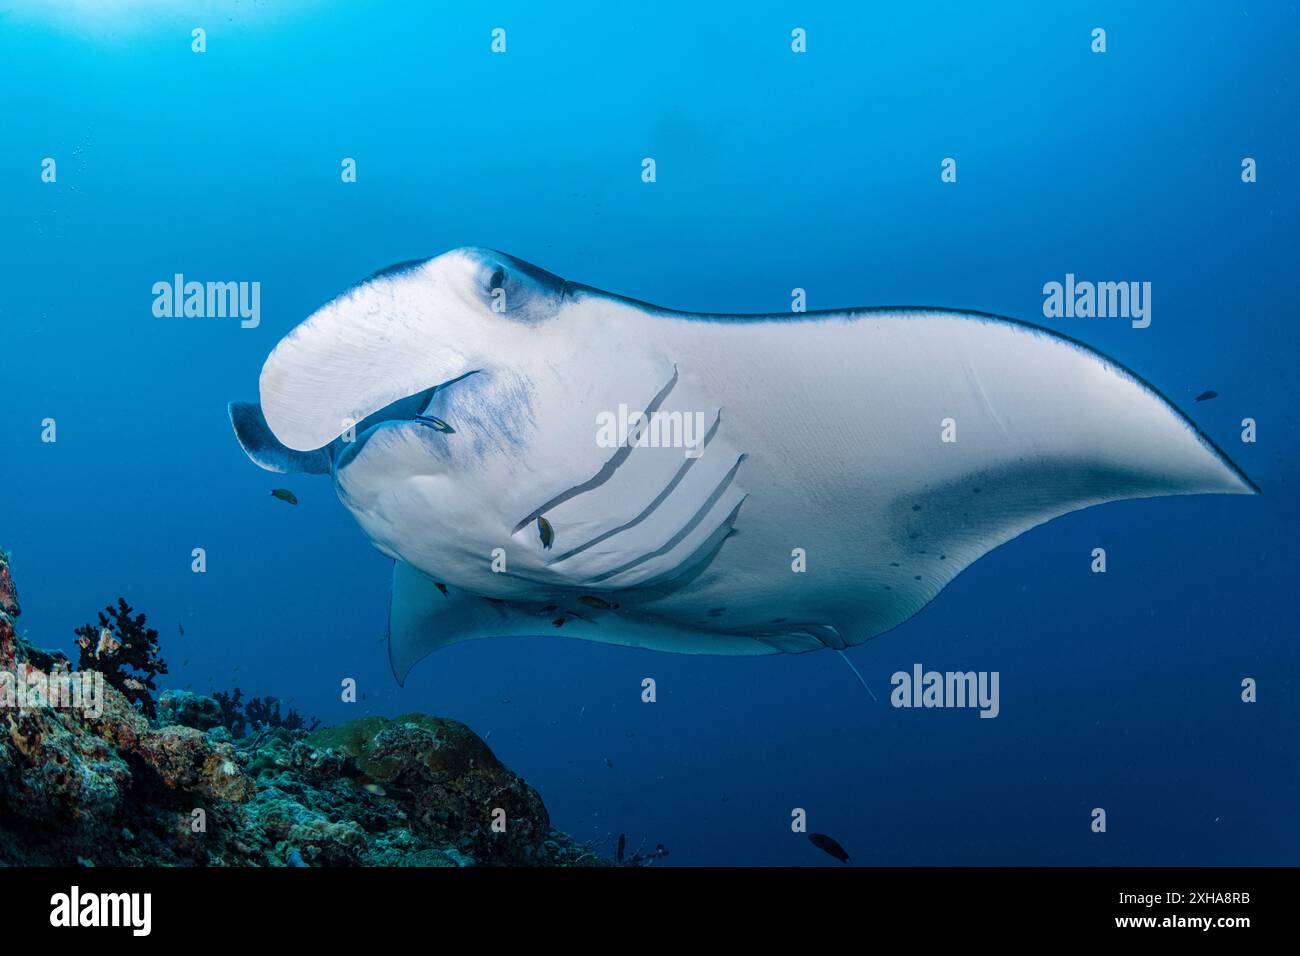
x=650, y=508
x=701, y=513
x=608, y=469
x=700, y=558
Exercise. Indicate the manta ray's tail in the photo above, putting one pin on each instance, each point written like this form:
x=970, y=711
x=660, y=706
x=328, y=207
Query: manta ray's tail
x=845, y=658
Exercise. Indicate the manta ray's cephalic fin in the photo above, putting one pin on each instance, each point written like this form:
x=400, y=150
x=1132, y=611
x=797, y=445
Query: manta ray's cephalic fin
x=265, y=449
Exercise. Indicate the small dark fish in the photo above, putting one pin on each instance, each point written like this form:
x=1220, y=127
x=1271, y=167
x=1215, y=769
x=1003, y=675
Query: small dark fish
x=558, y=622
x=441, y=587
x=284, y=494
x=622, y=845
x=828, y=845
x=437, y=424
x=609, y=763
x=600, y=604
x=546, y=531
x=549, y=608
x=1206, y=396
x=182, y=627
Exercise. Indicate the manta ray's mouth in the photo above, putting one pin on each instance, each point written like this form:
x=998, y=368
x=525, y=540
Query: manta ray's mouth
x=412, y=408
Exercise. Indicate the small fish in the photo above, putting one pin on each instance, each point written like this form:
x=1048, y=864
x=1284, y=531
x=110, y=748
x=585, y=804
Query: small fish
x=1206, y=396
x=182, y=629
x=600, y=604
x=622, y=845
x=284, y=494
x=437, y=424
x=558, y=622
x=609, y=763
x=441, y=587
x=828, y=845
x=375, y=790
x=546, y=532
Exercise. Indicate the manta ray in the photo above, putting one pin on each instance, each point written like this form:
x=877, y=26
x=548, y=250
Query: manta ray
x=848, y=464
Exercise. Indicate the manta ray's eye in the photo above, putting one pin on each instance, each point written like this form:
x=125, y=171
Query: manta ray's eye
x=498, y=279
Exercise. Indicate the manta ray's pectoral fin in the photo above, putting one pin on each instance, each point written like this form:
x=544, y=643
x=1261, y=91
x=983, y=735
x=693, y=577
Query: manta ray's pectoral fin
x=266, y=450
x=422, y=618
x=426, y=616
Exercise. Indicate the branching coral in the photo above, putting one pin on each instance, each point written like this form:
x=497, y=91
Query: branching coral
x=232, y=711
x=258, y=713
x=125, y=651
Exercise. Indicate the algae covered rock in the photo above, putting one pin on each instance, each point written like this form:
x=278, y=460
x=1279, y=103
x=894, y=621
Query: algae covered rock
x=190, y=710
x=184, y=759
x=452, y=786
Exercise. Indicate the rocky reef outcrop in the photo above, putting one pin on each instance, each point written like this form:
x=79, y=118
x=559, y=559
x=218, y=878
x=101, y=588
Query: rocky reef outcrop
x=108, y=785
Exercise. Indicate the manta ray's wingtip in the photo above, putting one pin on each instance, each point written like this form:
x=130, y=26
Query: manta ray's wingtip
x=398, y=675
x=1245, y=485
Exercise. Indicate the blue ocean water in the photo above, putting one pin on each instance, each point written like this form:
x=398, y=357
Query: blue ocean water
x=775, y=170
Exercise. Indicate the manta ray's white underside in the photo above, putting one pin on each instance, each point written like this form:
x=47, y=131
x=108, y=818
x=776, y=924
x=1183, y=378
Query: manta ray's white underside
x=826, y=444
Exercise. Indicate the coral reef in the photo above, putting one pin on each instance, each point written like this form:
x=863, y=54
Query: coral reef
x=9, y=610
x=122, y=785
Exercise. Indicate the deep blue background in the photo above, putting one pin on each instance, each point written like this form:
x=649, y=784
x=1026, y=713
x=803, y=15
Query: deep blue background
x=775, y=170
